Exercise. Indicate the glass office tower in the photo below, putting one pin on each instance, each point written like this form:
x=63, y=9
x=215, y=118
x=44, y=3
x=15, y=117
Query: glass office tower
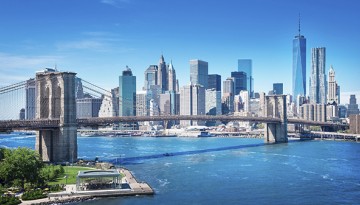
x=317, y=87
x=199, y=73
x=245, y=65
x=299, y=66
x=127, y=93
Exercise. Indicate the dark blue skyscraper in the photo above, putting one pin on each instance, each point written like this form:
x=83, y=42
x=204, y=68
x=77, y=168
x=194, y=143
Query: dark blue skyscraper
x=277, y=88
x=240, y=81
x=214, y=81
x=299, y=65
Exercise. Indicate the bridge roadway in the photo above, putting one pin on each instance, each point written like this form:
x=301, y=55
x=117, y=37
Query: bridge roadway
x=43, y=124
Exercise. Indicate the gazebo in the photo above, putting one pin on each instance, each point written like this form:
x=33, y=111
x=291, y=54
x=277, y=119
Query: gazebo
x=98, y=180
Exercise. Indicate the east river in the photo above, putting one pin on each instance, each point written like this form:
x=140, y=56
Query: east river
x=227, y=170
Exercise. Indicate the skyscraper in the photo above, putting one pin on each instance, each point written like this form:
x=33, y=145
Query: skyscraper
x=30, y=99
x=214, y=82
x=228, y=96
x=192, y=102
x=278, y=88
x=162, y=74
x=244, y=94
x=332, y=88
x=353, y=107
x=151, y=77
x=88, y=107
x=245, y=65
x=171, y=78
x=199, y=73
x=127, y=93
x=318, y=77
x=299, y=66
x=79, y=91
x=142, y=103
x=240, y=82
x=213, y=102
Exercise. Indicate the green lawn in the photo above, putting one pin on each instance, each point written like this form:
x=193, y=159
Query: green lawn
x=71, y=173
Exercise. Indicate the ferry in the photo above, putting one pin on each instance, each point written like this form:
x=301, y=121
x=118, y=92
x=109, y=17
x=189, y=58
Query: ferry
x=205, y=134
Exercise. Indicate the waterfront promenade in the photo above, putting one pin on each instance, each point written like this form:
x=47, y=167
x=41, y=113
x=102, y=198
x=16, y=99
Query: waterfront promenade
x=131, y=188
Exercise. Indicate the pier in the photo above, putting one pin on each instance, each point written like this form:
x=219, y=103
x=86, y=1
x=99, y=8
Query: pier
x=327, y=136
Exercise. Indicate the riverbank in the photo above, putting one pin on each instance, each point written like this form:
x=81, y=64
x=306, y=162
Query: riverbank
x=131, y=187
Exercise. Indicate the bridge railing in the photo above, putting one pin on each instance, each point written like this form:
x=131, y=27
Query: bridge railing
x=101, y=121
x=30, y=124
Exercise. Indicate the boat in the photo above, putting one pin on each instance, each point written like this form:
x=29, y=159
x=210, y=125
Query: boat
x=205, y=134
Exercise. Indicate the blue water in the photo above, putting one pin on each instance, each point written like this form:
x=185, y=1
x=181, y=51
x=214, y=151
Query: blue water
x=227, y=170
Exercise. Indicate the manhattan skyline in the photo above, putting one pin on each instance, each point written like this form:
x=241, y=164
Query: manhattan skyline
x=98, y=38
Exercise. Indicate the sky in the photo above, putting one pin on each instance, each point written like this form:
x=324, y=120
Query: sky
x=97, y=39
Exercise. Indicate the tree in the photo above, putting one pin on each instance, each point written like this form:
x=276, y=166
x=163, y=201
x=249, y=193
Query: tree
x=2, y=153
x=20, y=166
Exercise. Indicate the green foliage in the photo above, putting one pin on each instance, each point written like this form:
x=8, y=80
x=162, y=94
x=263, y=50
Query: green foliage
x=52, y=172
x=259, y=126
x=315, y=128
x=33, y=194
x=9, y=200
x=2, y=153
x=20, y=166
x=56, y=187
x=70, y=172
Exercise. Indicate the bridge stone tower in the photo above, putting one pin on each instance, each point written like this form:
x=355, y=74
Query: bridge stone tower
x=275, y=106
x=55, y=99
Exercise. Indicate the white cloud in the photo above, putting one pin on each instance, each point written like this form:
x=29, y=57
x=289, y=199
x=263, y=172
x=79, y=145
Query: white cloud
x=16, y=68
x=116, y=3
x=83, y=44
x=97, y=41
x=10, y=62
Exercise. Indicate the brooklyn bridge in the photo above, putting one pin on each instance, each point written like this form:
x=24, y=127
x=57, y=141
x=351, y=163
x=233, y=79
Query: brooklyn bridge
x=56, y=123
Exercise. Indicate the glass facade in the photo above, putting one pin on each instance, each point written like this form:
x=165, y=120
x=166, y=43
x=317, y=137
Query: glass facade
x=127, y=93
x=240, y=81
x=317, y=87
x=299, y=66
x=245, y=65
x=278, y=89
x=151, y=77
x=199, y=73
x=214, y=82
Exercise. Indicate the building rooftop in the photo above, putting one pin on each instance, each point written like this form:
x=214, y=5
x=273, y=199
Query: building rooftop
x=98, y=173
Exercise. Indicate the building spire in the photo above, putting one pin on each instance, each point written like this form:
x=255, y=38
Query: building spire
x=299, y=25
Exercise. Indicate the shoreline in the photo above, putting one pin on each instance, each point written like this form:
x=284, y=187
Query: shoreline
x=71, y=196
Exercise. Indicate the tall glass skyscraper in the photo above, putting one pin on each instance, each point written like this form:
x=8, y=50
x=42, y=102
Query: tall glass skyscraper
x=318, y=85
x=299, y=66
x=199, y=73
x=127, y=93
x=245, y=65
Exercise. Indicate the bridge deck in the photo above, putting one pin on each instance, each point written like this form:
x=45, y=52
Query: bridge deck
x=43, y=124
